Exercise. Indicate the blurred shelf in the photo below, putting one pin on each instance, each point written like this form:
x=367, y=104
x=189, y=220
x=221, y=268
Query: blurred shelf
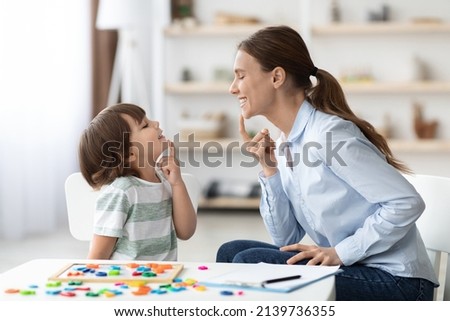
x=366, y=87
x=423, y=87
x=213, y=30
x=203, y=142
x=397, y=145
x=420, y=145
x=229, y=203
x=319, y=30
x=192, y=87
x=380, y=28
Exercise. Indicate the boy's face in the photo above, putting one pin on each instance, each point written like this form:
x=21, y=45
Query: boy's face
x=147, y=141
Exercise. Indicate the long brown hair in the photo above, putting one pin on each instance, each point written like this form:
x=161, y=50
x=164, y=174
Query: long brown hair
x=104, y=147
x=282, y=46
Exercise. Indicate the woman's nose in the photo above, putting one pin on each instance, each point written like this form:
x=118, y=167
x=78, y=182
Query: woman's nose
x=233, y=89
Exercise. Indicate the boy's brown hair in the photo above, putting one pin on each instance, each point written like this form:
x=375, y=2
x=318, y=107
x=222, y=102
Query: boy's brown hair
x=104, y=147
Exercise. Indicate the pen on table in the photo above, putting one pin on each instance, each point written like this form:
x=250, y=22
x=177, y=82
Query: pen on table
x=286, y=278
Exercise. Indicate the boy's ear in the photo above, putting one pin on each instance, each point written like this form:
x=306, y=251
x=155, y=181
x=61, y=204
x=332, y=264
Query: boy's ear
x=133, y=154
x=278, y=76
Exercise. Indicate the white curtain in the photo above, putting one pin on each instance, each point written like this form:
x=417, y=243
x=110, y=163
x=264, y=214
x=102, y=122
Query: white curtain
x=45, y=87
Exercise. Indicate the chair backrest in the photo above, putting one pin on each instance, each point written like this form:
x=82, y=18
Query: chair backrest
x=434, y=223
x=81, y=198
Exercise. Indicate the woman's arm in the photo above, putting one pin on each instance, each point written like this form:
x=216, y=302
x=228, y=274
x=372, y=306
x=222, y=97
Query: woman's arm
x=276, y=211
x=275, y=207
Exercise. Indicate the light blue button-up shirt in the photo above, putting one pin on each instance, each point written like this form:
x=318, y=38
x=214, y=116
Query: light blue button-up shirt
x=343, y=194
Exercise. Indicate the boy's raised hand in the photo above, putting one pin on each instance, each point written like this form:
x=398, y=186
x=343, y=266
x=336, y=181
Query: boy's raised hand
x=261, y=146
x=169, y=166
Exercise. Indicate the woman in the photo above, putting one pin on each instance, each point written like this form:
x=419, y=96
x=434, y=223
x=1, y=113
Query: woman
x=331, y=176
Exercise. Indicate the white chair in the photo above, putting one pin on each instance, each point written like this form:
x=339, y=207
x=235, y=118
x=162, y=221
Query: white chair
x=434, y=224
x=81, y=198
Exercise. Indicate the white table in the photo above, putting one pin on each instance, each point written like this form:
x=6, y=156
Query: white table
x=37, y=272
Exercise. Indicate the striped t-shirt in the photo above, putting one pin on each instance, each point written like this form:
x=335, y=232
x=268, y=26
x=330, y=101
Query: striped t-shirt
x=139, y=214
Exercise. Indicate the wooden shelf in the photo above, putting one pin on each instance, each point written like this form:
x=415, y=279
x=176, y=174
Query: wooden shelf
x=397, y=145
x=233, y=145
x=420, y=145
x=193, y=87
x=373, y=87
x=213, y=30
x=380, y=28
x=229, y=203
x=422, y=87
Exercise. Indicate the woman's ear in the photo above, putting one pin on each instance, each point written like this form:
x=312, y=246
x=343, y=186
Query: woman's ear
x=278, y=76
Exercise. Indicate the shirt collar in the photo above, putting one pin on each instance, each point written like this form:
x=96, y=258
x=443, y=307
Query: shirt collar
x=302, y=118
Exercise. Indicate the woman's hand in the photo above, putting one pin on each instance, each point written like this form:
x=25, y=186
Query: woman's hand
x=317, y=255
x=262, y=147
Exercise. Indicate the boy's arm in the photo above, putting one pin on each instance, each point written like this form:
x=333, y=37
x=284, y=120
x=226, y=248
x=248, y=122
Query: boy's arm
x=184, y=215
x=101, y=247
x=110, y=215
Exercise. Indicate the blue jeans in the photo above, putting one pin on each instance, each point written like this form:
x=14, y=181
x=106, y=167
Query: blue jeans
x=354, y=283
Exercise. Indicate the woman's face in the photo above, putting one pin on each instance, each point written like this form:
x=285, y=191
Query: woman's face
x=252, y=86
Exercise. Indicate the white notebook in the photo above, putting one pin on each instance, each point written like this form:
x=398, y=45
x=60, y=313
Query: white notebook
x=255, y=276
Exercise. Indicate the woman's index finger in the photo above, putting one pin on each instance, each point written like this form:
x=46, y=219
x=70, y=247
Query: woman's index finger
x=171, y=148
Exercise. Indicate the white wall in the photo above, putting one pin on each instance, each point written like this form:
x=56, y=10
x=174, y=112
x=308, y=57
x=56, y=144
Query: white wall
x=45, y=103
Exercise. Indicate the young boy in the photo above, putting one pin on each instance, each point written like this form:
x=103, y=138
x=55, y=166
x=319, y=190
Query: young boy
x=137, y=216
